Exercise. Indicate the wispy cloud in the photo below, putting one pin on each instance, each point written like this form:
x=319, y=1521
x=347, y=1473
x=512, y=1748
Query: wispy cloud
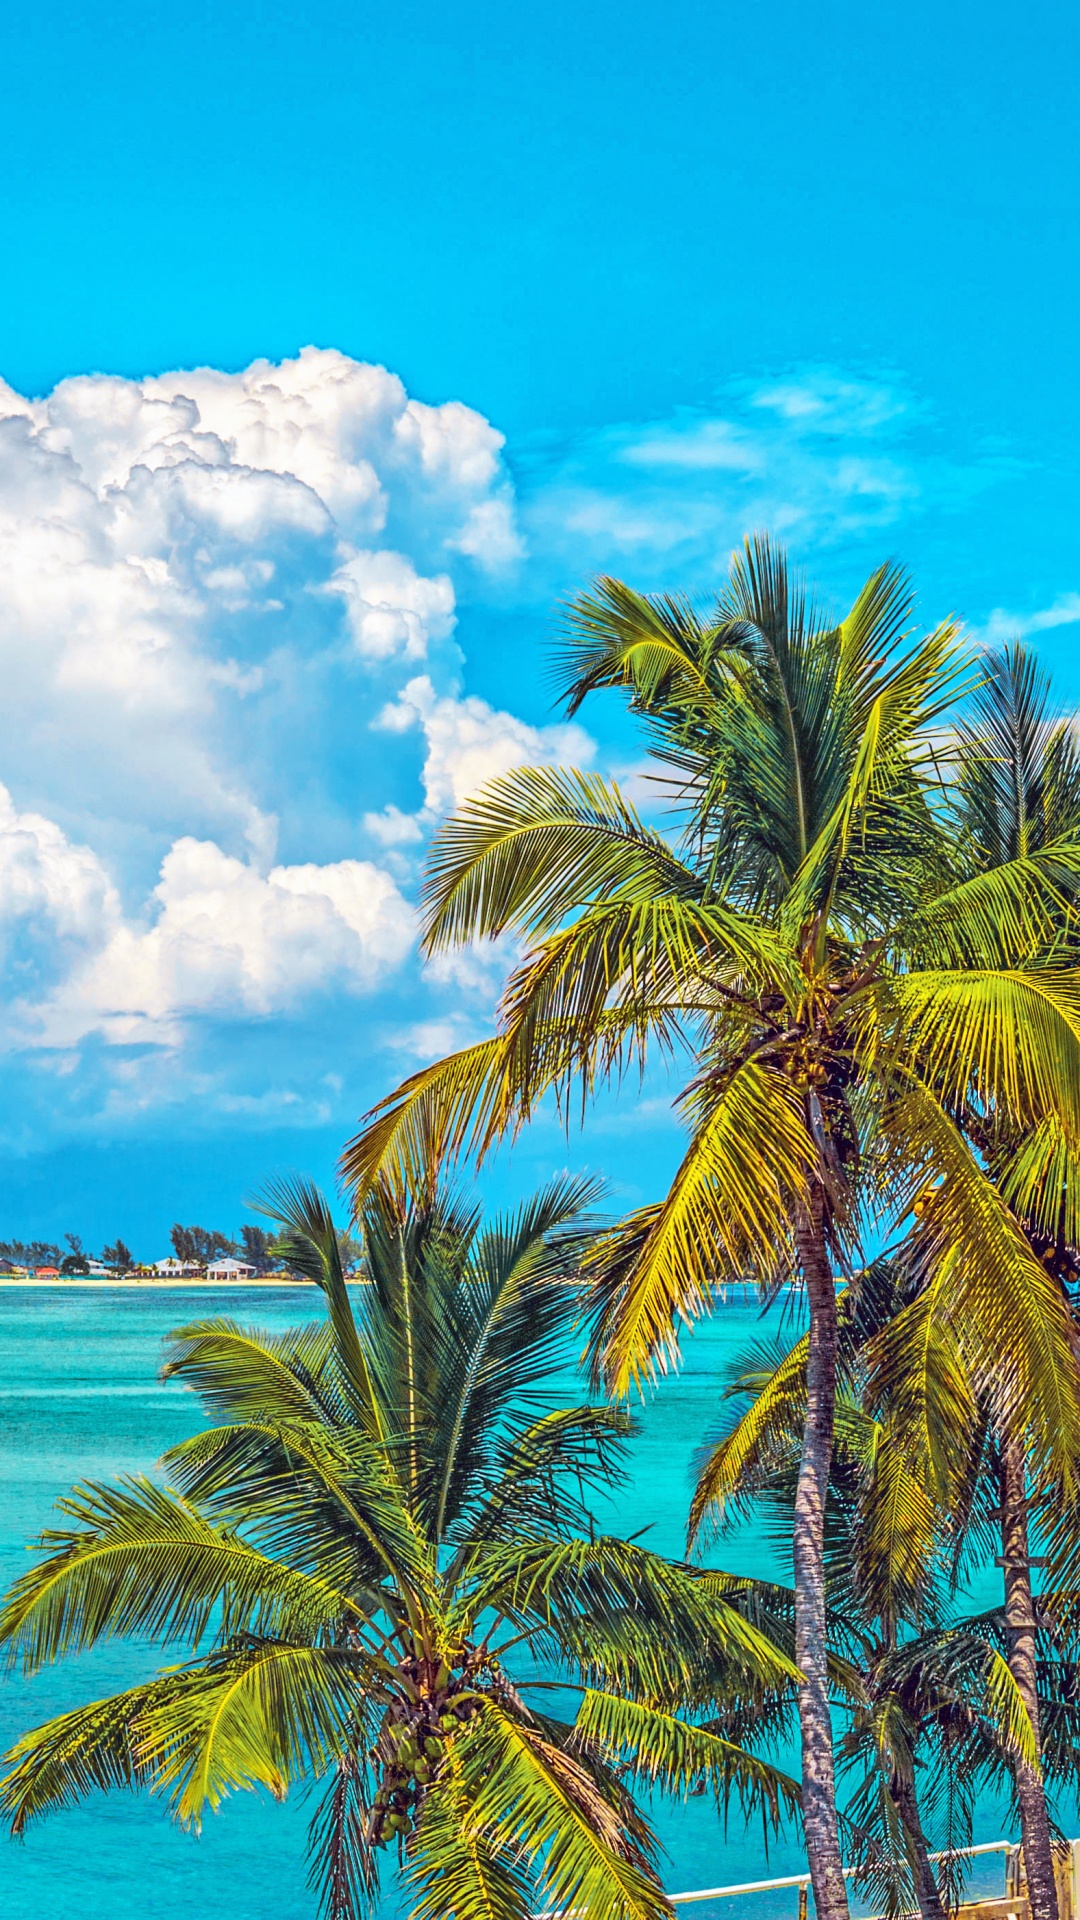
x=819, y=457
x=1003, y=625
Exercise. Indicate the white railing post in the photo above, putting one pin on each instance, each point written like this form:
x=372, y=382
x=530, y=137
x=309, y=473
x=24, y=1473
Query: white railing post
x=1074, y=1879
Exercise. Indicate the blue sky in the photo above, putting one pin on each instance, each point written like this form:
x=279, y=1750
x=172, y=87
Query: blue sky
x=639, y=279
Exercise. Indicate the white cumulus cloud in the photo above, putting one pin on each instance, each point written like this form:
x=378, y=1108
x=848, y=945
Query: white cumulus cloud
x=393, y=610
x=226, y=940
x=470, y=742
x=56, y=900
x=210, y=584
x=198, y=556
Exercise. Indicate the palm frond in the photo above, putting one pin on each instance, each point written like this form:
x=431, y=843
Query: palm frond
x=501, y=1331
x=653, y=647
x=143, y=1561
x=898, y=1539
x=544, y=1472
x=583, y=1006
x=878, y=806
x=534, y=846
x=329, y=1503
x=573, y=1826
x=1017, y=770
x=263, y=1715
x=592, y=1588
x=1003, y=1042
x=344, y=1867
x=665, y=1751
x=917, y=1378
x=456, y=1106
x=1007, y=1316
x=458, y=1866
x=89, y=1750
x=729, y=1209
x=1041, y=1183
x=1006, y=916
x=240, y=1372
x=740, y=1463
x=309, y=1242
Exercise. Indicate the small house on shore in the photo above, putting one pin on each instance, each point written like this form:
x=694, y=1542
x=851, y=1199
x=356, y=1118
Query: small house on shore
x=229, y=1270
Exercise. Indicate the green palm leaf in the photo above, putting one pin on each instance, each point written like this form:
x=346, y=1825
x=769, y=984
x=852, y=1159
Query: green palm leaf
x=655, y=647
x=538, y=844
x=1011, y=914
x=89, y=1750
x=343, y=1863
x=661, y=1749
x=729, y=1208
x=459, y=1867
x=1007, y=1042
x=549, y=1804
x=759, y=1442
x=265, y=1716
x=1007, y=1316
x=145, y=1562
x=394, y=1519
x=239, y=1372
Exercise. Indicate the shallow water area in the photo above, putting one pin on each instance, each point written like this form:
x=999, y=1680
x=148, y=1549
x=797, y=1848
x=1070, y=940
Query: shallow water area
x=80, y=1398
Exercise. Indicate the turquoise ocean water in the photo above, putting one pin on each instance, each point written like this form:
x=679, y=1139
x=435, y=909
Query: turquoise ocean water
x=80, y=1398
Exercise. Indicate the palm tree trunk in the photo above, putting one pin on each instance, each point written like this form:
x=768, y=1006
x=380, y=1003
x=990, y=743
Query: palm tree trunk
x=1020, y=1626
x=818, y=1774
x=927, y=1892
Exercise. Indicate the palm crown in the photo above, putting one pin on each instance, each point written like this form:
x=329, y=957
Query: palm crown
x=821, y=946
x=843, y=980
x=382, y=1558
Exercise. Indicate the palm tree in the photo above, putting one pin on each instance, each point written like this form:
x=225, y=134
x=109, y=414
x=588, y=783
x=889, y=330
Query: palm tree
x=930, y=1696
x=1016, y=792
x=382, y=1560
x=836, y=984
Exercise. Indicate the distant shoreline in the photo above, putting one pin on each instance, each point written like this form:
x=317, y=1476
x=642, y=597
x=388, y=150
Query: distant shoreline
x=146, y=1286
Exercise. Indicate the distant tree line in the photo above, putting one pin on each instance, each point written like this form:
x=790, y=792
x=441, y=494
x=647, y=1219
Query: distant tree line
x=45, y=1253
x=195, y=1246
x=199, y=1246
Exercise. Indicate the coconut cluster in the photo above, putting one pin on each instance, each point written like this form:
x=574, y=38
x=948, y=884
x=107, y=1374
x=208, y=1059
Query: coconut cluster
x=411, y=1750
